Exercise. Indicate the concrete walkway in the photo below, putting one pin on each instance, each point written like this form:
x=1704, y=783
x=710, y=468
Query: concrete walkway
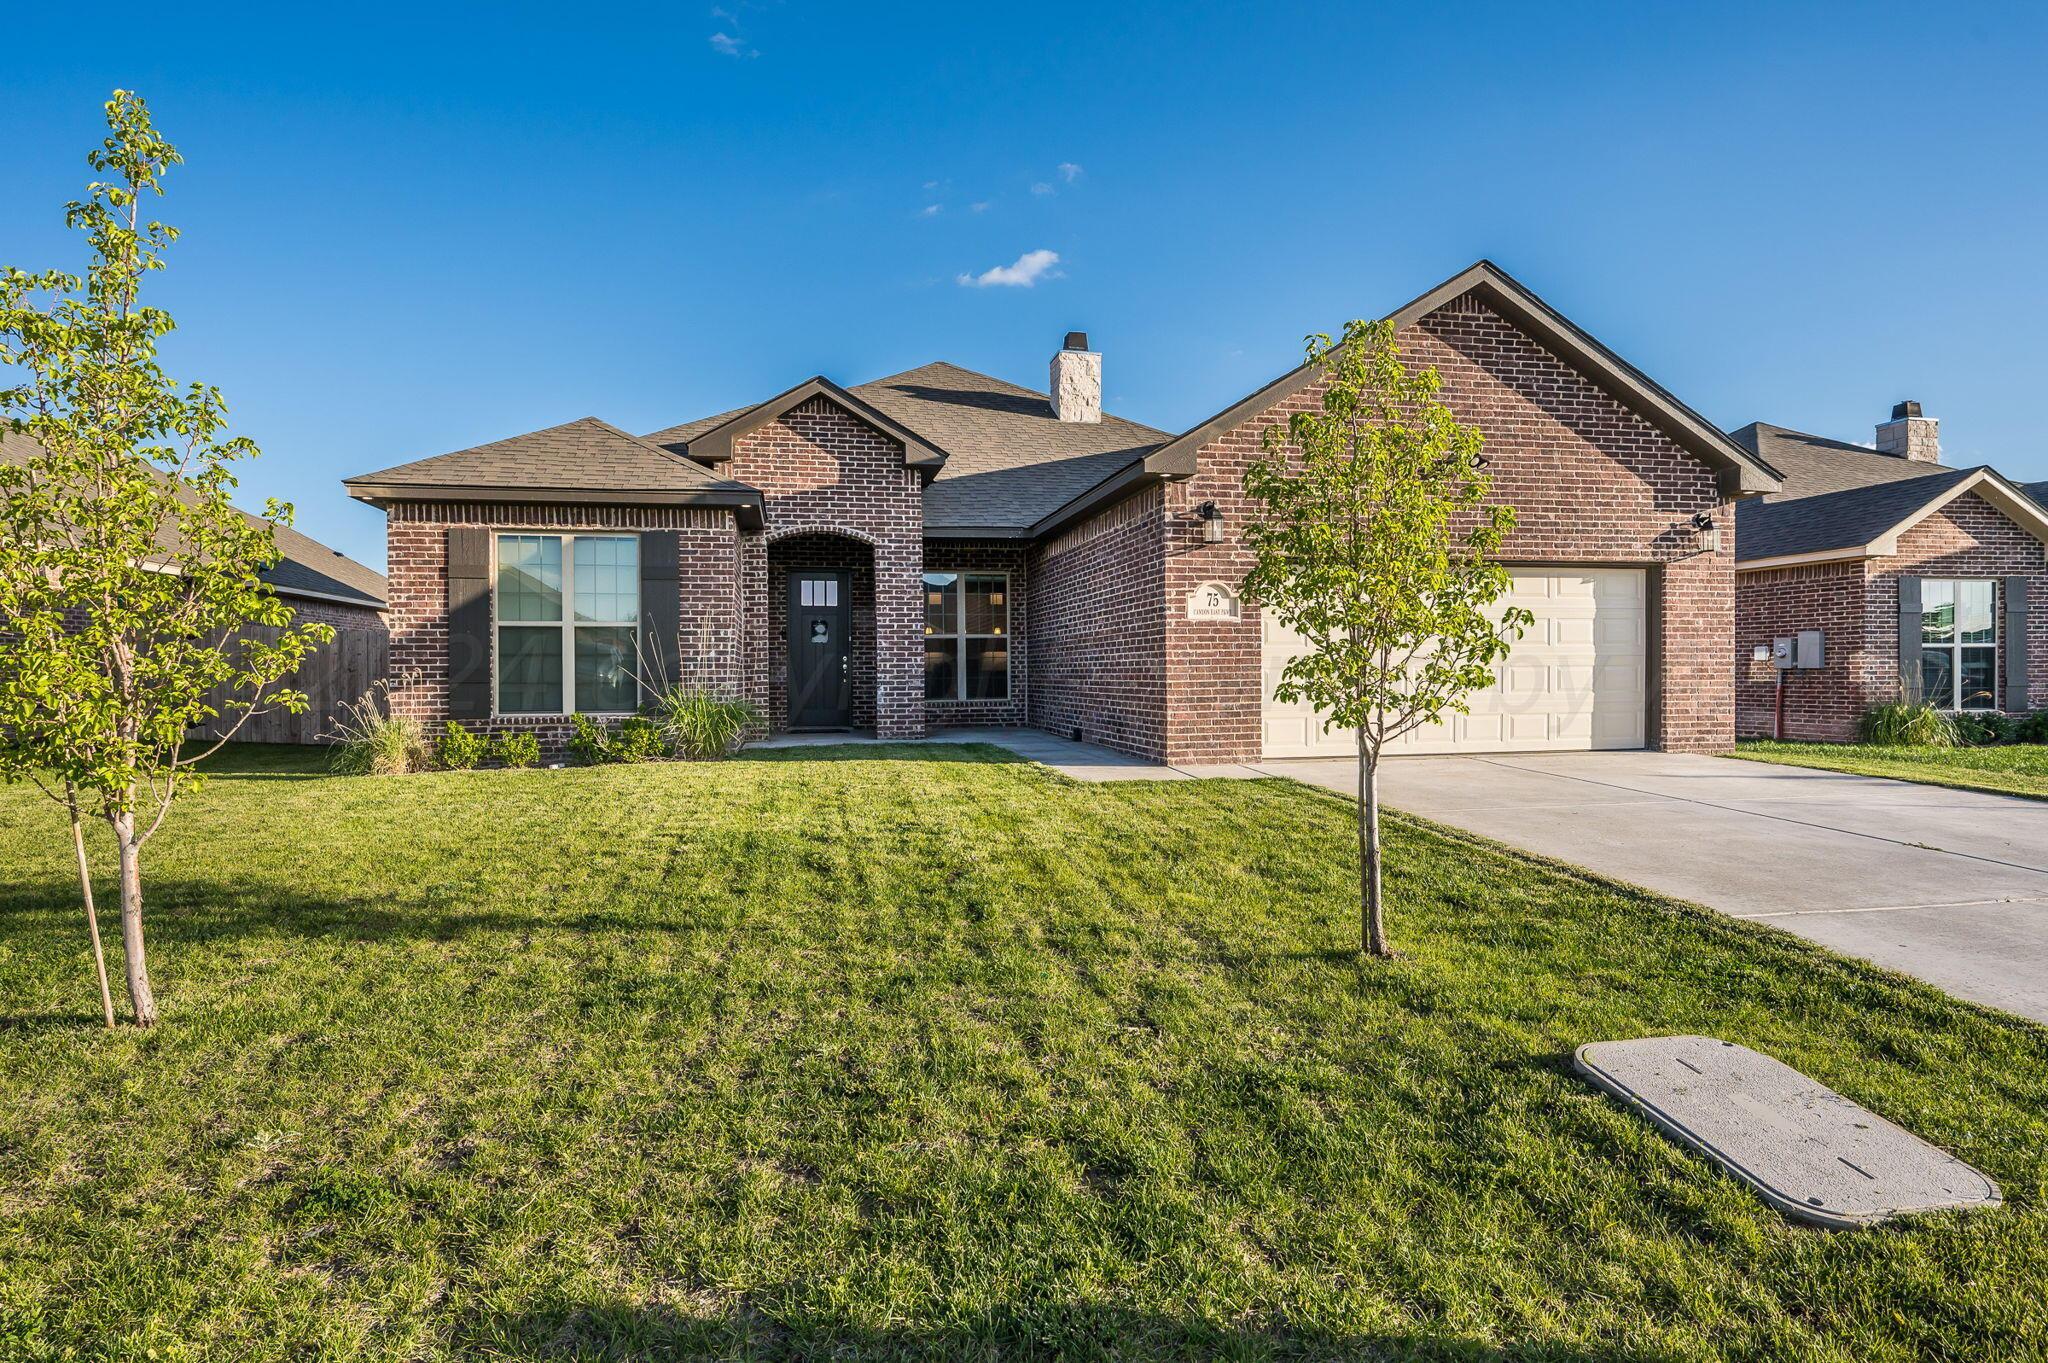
x=1947, y=885
x=1081, y=761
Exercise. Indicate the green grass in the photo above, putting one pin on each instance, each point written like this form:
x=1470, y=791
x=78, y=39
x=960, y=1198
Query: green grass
x=2015, y=769
x=868, y=1053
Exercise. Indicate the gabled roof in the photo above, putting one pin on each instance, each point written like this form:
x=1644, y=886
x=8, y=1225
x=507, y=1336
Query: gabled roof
x=1866, y=522
x=1813, y=464
x=586, y=460
x=1742, y=471
x=307, y=567
x=1008, y=461
x=714, y=443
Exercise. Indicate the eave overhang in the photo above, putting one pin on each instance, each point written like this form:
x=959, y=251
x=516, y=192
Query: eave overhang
x=745, y=502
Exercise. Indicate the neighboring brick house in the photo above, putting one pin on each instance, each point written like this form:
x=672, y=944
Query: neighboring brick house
x=1918, y=578
x=322, y=585
x=943, y=548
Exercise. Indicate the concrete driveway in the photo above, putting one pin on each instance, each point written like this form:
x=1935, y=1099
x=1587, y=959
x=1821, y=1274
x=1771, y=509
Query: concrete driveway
x=1948, y=885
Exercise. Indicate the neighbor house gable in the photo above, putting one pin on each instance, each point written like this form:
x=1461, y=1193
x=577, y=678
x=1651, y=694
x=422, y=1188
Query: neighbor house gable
x=1868, y=522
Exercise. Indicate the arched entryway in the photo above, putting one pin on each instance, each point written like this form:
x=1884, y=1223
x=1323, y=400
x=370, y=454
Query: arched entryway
x=821, y=601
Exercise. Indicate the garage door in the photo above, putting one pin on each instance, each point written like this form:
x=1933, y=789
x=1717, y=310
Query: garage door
x=1577, y=679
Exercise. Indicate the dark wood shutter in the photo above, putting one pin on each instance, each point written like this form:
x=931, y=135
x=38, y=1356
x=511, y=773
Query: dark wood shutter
x=469, y=622
x=2016, y=645
x=1909, y=640
x=660, y=612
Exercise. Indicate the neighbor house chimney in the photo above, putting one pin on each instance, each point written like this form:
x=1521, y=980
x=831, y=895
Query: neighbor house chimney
x=1077, y=380
x=1910, y=435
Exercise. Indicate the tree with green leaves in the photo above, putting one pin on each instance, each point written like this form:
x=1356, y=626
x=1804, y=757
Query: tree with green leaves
x=128, y=580
x=1373, y=541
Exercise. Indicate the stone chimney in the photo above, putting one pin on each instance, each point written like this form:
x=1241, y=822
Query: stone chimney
x=1077, y=380
x=1910, y=435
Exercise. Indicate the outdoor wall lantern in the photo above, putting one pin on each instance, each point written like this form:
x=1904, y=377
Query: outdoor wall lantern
x=1707, y=534
x=1212, y=522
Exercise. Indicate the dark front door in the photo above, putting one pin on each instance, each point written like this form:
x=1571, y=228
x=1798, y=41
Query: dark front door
x=820, y=689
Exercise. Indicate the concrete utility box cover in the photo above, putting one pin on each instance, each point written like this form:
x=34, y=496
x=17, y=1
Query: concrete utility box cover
x=1810, y=1152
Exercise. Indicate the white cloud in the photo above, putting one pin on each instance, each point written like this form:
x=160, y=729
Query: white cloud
x=1031, y=267
x=1042, y=189
x=931, y=184
x=981, y=207
x=931, y=210
x=1069, y=171
x=726, y=45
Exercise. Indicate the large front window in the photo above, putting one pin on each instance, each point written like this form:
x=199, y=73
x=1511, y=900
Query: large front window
x=966, y=636
x=553, y=660
x=1959, y=643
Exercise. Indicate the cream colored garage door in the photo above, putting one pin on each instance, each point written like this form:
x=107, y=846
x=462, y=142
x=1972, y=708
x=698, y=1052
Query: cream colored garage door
x=1577, y=679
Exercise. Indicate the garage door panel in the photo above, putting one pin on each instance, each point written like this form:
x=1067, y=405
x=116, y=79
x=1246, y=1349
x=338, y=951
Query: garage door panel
x=1575, y=680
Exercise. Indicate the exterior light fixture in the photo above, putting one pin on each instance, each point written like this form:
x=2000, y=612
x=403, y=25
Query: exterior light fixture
x=1707, y=534
x=1212, y=522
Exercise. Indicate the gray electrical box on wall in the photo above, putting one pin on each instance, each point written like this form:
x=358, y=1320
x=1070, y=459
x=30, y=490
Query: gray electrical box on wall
x=1796, y=651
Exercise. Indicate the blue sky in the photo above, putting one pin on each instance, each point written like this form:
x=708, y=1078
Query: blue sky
x=409, y=234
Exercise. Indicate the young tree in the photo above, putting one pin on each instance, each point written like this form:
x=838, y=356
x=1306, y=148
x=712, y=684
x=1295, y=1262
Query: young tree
x=128, y=579
x=1373, y=542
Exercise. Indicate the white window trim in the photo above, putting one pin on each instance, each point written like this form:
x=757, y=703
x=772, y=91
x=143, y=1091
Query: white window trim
x=567, y=624
x=960, y=636
x=1953, y=702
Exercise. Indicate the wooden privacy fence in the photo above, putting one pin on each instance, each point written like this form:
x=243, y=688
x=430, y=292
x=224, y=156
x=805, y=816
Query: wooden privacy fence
x=335, y=674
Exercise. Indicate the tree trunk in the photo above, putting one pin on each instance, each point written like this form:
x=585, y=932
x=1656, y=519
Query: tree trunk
x=1372, y=926
x=131, y=922
x=92, y=918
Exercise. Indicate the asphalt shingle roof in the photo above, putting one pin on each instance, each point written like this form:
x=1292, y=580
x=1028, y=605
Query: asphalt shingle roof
x=1773, y=527
x=586, y=455
x=1009, y=461
x=1814, y=465
x=307, y=565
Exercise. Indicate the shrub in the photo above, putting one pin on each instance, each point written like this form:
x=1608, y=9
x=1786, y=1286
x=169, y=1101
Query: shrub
x=369, y=742
x=520, y=749
x=701, y=724
x=459, y=749
x=637, y=739
x=2032, y=729
x=591, y=743
x=1983, y=730
x=1901, y=725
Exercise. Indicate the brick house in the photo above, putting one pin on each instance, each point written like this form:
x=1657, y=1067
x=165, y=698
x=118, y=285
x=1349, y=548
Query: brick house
x=1917, y=576
x=943, y=548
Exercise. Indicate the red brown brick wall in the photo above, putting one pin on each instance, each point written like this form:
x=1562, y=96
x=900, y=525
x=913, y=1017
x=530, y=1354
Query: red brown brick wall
x=1967, y=538
x=982, y=556
x=1591, y=482
x=305, y=611
x=1098, y=629
x=1857, y=604
x=1826, y=704
x=416, y=536
x=823, y=471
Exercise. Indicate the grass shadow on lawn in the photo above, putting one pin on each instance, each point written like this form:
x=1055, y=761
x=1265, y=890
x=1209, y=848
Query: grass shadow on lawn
x=925, y=750
x=1065, y=1330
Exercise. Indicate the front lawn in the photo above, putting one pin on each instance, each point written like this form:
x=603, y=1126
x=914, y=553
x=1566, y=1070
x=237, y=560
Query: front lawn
x=2014, y=769
x=867, y=1053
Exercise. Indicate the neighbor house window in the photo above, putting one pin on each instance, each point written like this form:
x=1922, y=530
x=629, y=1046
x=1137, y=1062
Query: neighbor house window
x=1959, y=643
x=966, y=636
x=568, y=613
